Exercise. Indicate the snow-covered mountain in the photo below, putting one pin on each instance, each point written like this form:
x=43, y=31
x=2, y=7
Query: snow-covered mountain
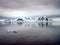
x=31, y=18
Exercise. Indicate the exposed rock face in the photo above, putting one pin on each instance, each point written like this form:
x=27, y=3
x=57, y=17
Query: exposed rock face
x=46, y=19
x=19, y=19
x=42, y=18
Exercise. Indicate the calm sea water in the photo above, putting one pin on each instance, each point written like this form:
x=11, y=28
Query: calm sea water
x=44, y=33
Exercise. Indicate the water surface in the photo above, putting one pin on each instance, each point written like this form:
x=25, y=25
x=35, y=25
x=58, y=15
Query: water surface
x=44, y=33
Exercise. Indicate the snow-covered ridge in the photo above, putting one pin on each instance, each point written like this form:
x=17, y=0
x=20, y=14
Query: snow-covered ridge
x=27, y=19
x=31, y=19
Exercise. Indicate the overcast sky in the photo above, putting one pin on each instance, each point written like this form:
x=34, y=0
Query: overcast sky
x=13, y=8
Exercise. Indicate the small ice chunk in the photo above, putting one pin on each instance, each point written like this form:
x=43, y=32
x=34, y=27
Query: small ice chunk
x=14, y=31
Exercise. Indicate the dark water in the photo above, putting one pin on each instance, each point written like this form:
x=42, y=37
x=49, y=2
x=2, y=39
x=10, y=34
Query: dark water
x=30, y=33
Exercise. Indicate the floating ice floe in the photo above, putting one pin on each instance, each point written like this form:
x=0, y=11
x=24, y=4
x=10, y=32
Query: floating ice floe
x=14, y=31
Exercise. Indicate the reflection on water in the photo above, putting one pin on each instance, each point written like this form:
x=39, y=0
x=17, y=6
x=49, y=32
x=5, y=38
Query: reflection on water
x=30, y=33
x=42, y=24
x=19, y=23
x=27, y=24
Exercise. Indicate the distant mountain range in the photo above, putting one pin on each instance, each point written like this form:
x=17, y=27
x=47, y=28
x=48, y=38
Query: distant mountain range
x=51, y=16
x=4, y=17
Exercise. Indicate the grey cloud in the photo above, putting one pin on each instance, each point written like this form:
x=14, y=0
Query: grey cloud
x=11, y=4
x=57, y=4
x=17, y=4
